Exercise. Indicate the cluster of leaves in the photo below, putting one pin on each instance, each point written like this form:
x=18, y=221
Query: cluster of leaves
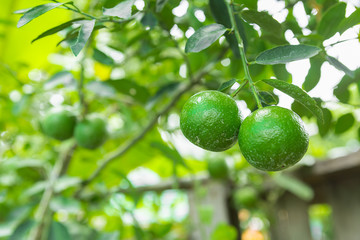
x=132, y=60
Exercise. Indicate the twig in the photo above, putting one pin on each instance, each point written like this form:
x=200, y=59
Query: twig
x=124, y=148
x=183, y=183
x=40, y=215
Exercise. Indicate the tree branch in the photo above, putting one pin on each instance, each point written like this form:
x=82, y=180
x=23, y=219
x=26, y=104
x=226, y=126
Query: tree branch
x=41, y=213
x=127, y=146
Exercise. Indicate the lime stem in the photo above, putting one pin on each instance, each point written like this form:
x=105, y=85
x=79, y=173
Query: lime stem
x=242, y=54
x=243, y=84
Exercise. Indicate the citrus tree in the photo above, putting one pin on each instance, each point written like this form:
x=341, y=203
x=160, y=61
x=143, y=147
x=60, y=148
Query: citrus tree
x=100, y=97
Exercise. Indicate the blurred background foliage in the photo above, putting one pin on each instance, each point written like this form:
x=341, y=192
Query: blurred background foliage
x=132, y=70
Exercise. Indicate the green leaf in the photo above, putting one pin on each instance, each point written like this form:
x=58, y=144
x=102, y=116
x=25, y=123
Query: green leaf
x=281, y=72
x=358, y=134
x=227, y=85
x=122, y=10
x=294, y=186
x=298, y=94
x=251, y=4
x=149, y=20
x=58, y=231
x=224, y=231
x=86, y=29
x=344, y=123
x=352, y=20
x=341, y=91
x=102, y=57
x=287, y=53
x=265, y=21
x=301, y=110
x=131, y=88
x=325, y=127
x=160, y=5
x=170, y=153
x=101, y=89
x=338, y=65
x=204, y=37
x=331, y=19
x=167, y=89
x=268, y=98
x=64, y=78
x=314, y=74
x=57, y=29
x=22, y=231
x=35, y=12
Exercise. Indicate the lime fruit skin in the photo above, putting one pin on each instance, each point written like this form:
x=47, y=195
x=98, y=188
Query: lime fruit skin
x=91, y=133
x=217, y=168
x=211, y=120
x=273, y=138
x=58, y=125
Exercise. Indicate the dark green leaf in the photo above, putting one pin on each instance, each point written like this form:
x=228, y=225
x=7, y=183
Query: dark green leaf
x=101, y=89
x=324, y=128
x=122, y=10
x=221, y=15
x=281, y=73
x=102, y=57
x=294, y=186
x=265, y=21
x=331, y=19
x=352, y=20
x=338, y=65
x=301, y=110
x=22, y=231
x=58, y=231
x=268, y=98
x=35, y=12
x=56, y=29
x=170, y=153
x=287, y=53
x=149, y=20
x=131, y=88
x=314, y=74
x=204, y=37
x=298, y=94
x=226, y=85
x=160, y=5
x=86, y=29
x=341, y=91
x=344, y=123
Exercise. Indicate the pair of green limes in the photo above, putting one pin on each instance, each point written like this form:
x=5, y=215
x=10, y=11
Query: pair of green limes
x=61, y=125
x=271, y=138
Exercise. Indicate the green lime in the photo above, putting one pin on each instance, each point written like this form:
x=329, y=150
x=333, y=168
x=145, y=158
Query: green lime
x=58, y=124
x=217, y=168
x=91, y=133
x=211, y=120
x=245, y=197
x=273, y=138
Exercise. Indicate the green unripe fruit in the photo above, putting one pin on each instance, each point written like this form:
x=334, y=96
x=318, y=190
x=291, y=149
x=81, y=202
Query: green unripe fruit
x=211, y=120
x=273, y=138
x=217, y=168
x=245, y=197
x=58, y=124
x=91, y=133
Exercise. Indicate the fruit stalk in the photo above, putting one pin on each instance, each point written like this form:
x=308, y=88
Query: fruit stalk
x=242, y=54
